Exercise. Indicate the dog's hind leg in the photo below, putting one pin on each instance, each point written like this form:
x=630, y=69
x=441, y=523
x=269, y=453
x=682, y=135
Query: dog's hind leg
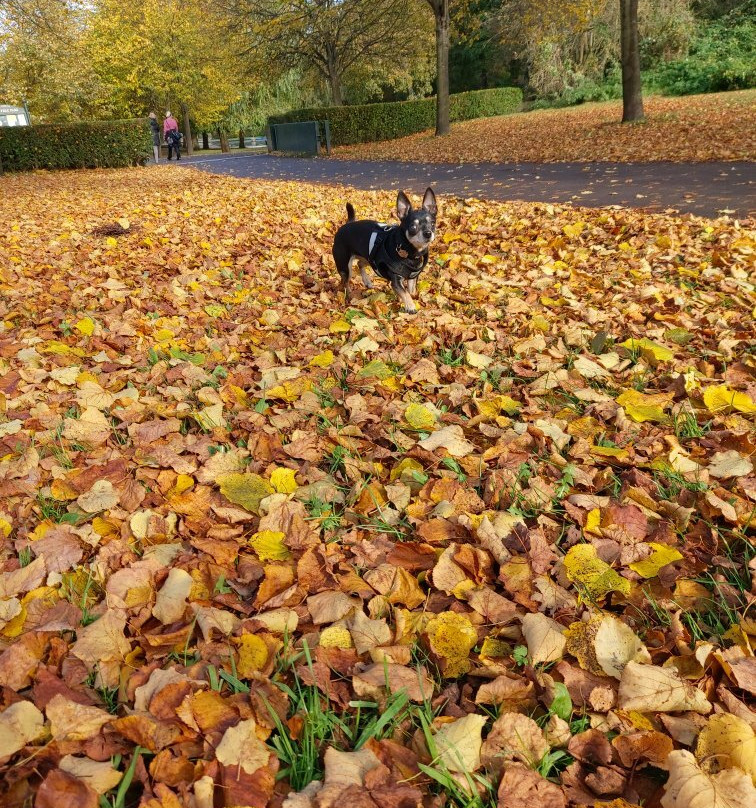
x=363, y=271
x=343, y=261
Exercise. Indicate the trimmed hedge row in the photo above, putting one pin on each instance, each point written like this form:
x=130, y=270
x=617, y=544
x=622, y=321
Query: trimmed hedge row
x=370, y=122
x=89, y=144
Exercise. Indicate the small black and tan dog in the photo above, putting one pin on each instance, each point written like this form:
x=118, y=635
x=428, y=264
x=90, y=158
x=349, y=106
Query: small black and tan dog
x=397, y=253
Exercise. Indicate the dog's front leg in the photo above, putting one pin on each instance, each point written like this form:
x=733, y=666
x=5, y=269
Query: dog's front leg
x=398, y=286
x=412, y=286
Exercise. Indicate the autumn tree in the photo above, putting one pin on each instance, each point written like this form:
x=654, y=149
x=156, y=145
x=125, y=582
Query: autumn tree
x=43, y=59
x=440, y=9
x=164, y=53
x=632, y=98
x=329, y=37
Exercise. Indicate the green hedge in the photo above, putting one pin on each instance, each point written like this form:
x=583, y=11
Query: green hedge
x=89, y=144
x=370, y=122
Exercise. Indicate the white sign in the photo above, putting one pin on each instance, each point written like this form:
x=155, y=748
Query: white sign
x=13, y=116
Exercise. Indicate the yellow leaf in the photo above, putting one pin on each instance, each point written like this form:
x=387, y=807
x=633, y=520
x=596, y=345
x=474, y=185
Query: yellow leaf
x=610, y=451
x=283, y=480
x=641, y=407
x=493, y=648
x=55, y=347
x=376, y=368
x=85, y=326
x=492, y=407
x=215, y=310
x=477, y=360
x=452, y=637
x=5, y=527
x=269, y=546
x=124, y=222
x=183, y=483
x=104, y=527
x=726, y=741
x=650, y=351
x=593, y=522
x=164, y=334
x=392, y=383
x=15, y=625
x=253, y=654
x=406, y=468
x=247, y=490
x=573, y=230
x=289, y=390
x=419, y=417
x=62, y=490
x=540, y=323
x=336, y=637
x=210, y=417
x=85, y=376
x=583, y=566
x=662, y=555
x=111, y=242
x=339, y=327
x=322, y=360
x=40, y=530
x=721, y=397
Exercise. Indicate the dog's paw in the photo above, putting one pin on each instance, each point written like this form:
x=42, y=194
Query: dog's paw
x=413, y=310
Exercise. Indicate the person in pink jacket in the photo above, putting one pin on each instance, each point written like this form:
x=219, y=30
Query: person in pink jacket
x=172, y=135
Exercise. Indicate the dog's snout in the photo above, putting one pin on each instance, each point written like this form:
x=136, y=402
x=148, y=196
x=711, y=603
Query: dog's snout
x=427, y=233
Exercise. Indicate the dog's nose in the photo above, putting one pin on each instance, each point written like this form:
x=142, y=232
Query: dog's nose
x=427, y=233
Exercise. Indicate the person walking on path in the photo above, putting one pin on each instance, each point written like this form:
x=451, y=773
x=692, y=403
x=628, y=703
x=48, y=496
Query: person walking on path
x=172, y=135
x=155, y=130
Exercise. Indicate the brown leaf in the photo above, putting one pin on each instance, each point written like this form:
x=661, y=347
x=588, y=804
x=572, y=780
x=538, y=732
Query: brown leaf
x=376, y=680
x=514, y=737
x=63, y=790
x=522, y=786
x=71, y=721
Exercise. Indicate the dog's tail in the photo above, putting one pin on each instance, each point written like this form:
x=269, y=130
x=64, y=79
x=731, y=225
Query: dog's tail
x=350, y=212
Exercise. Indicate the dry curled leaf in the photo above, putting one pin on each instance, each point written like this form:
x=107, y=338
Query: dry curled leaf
x=689, y=787
x=648, y=688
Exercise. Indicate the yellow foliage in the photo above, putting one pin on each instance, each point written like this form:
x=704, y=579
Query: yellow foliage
x=584, y=567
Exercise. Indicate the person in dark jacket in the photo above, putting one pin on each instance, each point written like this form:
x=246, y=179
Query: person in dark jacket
x=155, y=130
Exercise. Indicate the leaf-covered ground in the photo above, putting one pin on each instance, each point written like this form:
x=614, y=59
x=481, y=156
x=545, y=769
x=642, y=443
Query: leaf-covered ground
x=720, y=126
x=256, y=542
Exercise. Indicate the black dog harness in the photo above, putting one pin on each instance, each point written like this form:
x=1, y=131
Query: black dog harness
x=391, y=254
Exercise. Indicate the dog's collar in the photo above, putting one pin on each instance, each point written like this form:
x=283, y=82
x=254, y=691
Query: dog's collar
x=391, y=253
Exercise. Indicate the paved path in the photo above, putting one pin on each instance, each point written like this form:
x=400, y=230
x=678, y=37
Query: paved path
x=707, y=189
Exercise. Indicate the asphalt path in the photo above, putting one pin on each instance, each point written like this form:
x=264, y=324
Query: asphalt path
x=705, y=189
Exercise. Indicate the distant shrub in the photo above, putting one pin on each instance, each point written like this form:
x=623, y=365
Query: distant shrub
x=366, y=123
x=722, y=57
x=88, y=144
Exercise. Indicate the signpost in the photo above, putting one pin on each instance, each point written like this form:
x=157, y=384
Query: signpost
x=14, y=116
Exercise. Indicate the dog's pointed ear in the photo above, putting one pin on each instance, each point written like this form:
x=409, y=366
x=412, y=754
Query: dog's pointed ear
x=429, y=202
x=403, y=205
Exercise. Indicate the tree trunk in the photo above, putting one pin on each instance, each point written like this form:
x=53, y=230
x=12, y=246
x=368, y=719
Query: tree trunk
x=187, y=131
x=241, y=139
x=224, y=141
x=632, y=98
x=334, y=77
x=205, y=142
x=441, y=14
